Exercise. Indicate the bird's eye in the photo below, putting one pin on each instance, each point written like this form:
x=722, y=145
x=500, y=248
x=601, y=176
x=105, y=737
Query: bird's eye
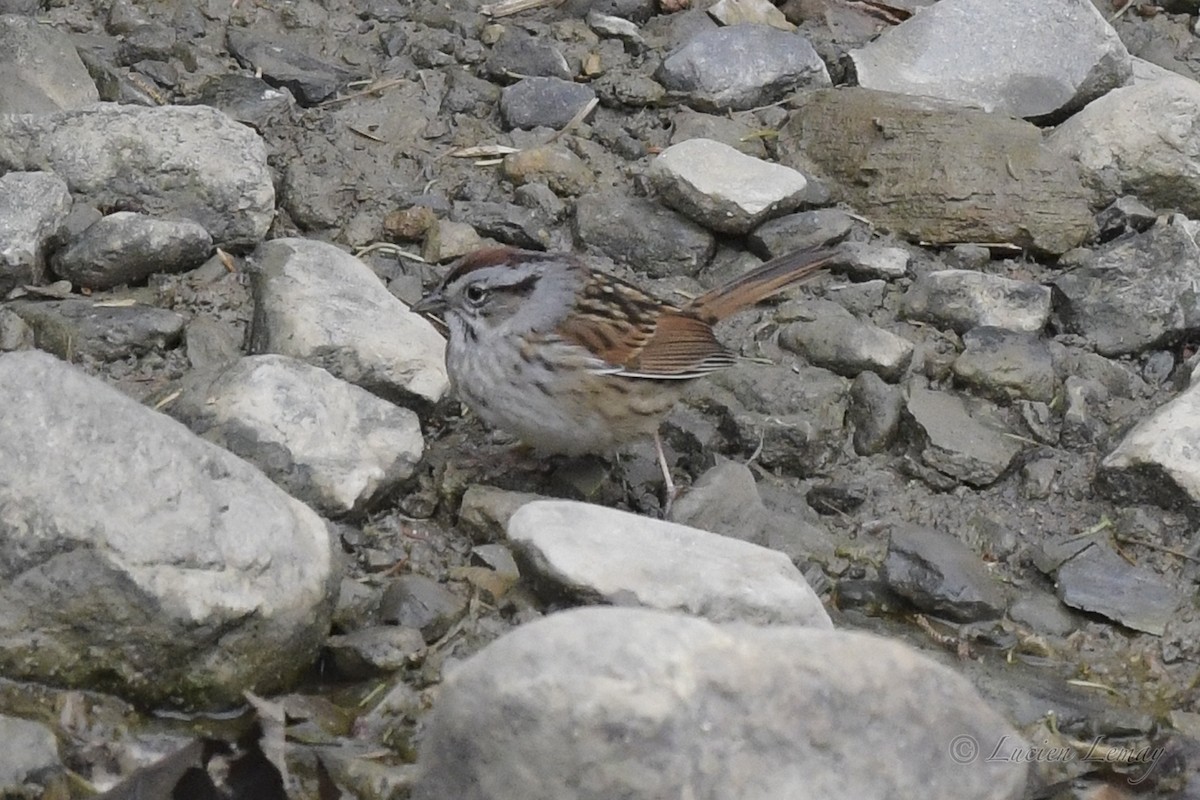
x=475, y=294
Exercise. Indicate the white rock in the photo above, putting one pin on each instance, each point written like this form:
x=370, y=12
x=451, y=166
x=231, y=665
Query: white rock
x=722, y=188
x=322, y=305
x=327, y=442
x=626, y=559
x=141, y=559
x=1142, y=140
x=601, y=703
x=1012, y=56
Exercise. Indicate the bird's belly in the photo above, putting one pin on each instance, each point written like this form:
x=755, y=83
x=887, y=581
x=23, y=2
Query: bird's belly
x=567, y=410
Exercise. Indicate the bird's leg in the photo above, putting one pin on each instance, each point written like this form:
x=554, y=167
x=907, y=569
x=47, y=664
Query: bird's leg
x=669, y=484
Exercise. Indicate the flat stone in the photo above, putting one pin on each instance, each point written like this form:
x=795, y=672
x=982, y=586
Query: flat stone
x=598, y=553
x=609, y=702
x=877, y=151
x=317, y=303
x=938, y=573
x=963, y=299
x=1002, y=56
x=970, y=446
x=1100, y=581
x=722, y=188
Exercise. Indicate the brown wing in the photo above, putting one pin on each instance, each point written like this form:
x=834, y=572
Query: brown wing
x=637, y=336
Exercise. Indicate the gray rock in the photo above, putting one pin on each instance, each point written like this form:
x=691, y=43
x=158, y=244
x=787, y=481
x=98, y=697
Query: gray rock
x=603, y=703
x=793, y=418
x=800, y=231
x=1005, y=365
x=874, y=412
x=162, y=540
x=331, y=444
x=1158, y=461
x=1126, y=214
x=505, y=222
x=212, y=343
x=741, y=67
x=1139, y=140
x=967, y=443
x=29, y=748
x=1100, y=581
x=246, y=98
x=77, y=327
x=414, y=601
x=371, y=652
x=844, y=345
x=688, y=124
x=879, y=150
x=543, y=102
x=723, y=189
x=15, y=333
x=612, y=27
x=961, y=299
x=553, y=165
x=127, y=247
x=724, y=500
x=597, y=553
x=173, y=162
x=319, y=304
x=522, y=55
x=32, y=207
x=1042, y=612
x=640, y=232
x=282, y=64
x=1136, y=294
x=1009, y=57
x=485, y=511
x=864, y=261
x=938, y=573
x=40, y=70
x=1082, y=429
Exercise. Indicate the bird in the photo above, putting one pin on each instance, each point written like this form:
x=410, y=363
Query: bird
x=573, y=360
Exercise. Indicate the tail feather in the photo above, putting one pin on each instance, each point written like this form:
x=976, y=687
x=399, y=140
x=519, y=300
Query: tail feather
x=760, y=283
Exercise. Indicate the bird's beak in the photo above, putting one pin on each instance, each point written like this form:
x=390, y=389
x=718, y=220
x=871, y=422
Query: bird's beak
x=432, y=303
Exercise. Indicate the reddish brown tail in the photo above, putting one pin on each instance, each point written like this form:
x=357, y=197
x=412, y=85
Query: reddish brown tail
x=759, y=284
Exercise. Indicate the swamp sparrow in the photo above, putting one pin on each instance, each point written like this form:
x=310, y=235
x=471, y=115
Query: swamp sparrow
x=575, y=361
